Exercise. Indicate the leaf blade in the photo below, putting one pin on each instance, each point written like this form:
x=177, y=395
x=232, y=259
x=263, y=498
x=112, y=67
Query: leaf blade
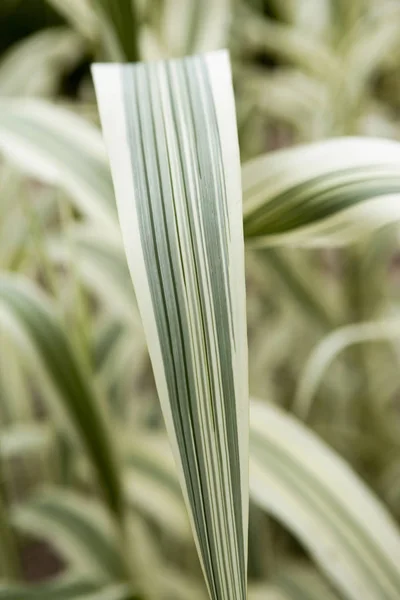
x=313, y=492
x=59, y=147
x=34, y=316
x=332, y=190
x=170, y=132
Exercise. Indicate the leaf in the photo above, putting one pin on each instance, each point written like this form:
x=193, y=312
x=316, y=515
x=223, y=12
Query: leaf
x=102, y=267
x=80, y=15
x=79, y=529
x=377, y=35
x=21, y=218
x=29, y=317
x=332, y=191
x=58, y=147
x=291, y=45
x=286, y=95
x=307, y=487
x=329, y=348
x=171, y=135
x=121, y=357
x=329, y=192
x=121, y=20
x=36, y=65
x=15, y=392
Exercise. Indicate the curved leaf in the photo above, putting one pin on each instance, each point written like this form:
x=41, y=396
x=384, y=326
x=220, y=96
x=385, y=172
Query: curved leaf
x=30, y=311
x=121, y=21
x=313, y=492
x=334, y=191
x=58, y=147
x=80, y=15
x=328, y=349
x=102, y=266
x=36, y=65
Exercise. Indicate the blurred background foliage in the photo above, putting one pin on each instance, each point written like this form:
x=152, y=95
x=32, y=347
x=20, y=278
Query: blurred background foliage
x=303, y=70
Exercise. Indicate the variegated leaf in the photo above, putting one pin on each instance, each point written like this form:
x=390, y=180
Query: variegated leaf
x=171, y=135
x=304, y=484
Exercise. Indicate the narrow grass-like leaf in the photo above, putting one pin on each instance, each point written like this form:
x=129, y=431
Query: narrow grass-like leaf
x=81, y=16
x=36, y=65
x=171, y=134
x=32, y=315
x=333, y=190
x=121, y=356
x=314, y=493
x=121, y=19
x=21, y=219
x=15, y=391
x=102, y=266
x=290, y=44
x=329, y=348
x=61, y=148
